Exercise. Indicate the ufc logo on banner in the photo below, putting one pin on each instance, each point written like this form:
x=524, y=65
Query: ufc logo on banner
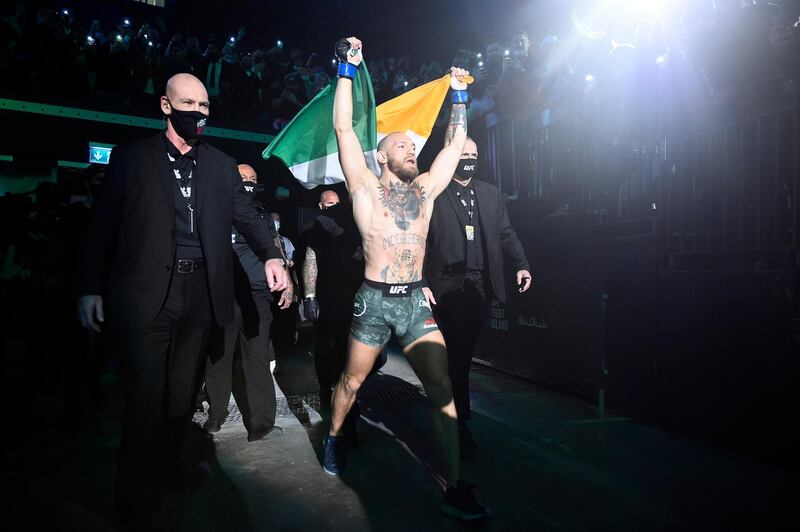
x=398, y=289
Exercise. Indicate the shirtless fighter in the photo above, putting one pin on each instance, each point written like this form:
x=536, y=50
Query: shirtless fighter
x=392, y=213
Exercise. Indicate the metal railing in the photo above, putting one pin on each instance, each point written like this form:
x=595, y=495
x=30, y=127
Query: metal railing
x=731, y=188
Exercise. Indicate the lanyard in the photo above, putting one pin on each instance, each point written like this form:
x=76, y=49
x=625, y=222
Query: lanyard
x=469, y=208
x=185, y=185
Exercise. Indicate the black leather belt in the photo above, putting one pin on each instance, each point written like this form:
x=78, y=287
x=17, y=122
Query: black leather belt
x=189, y=265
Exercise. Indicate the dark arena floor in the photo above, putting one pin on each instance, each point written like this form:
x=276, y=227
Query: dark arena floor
x=546, y=462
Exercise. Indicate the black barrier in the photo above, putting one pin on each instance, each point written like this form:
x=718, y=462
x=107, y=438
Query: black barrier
x=665, y=265
x=553, y=334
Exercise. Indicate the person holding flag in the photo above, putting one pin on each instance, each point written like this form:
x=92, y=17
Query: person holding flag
x=392, y=213
x=308, y=147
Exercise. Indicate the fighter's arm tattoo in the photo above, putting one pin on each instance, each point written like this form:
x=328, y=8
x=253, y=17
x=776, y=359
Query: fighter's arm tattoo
x=458, y=122
x=443, y=167
x=310, y=272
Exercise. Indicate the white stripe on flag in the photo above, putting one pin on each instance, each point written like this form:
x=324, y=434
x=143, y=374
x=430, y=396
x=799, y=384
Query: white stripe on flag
x=326, y=170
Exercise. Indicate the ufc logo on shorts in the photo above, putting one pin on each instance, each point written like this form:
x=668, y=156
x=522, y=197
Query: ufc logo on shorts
x=398, y=289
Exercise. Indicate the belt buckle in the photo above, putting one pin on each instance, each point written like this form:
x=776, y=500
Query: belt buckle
x=185, y=266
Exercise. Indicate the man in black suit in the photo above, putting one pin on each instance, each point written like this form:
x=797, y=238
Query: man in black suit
x=469, y=243
x=250, y=332
x=158, y=262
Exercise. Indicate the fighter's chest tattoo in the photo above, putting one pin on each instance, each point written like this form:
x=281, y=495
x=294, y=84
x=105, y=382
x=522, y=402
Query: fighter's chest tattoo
x=403, y=201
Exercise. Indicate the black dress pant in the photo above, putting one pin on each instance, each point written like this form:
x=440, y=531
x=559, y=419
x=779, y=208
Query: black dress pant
x=161, y=363
x=330, y=336
x=460, y=315
x=250, y=332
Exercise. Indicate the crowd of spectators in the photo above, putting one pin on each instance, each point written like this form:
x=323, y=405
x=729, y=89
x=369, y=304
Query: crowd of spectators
x=698, y=58
x=699, y=55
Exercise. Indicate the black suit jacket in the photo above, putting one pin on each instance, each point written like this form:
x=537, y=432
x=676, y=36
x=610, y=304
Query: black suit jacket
x=446, y=254
x=130, y=245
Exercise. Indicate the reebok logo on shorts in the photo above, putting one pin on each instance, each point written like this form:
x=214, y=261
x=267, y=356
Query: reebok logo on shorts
x=430, y=323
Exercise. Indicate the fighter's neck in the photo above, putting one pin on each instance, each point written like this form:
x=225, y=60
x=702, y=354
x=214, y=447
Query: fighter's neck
x=462, y=182
x=388, y=179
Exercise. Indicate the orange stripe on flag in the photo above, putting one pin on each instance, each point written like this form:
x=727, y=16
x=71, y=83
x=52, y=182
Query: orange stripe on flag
x=416, y=110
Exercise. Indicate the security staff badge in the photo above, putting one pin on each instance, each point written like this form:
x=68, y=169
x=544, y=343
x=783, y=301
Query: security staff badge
x=470, y=231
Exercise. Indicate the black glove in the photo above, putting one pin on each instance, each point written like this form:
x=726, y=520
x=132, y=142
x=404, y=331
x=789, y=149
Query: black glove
x=340, y=49
x=311, y=309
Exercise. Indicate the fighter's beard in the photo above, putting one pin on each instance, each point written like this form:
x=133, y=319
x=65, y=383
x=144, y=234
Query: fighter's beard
x=406, y=175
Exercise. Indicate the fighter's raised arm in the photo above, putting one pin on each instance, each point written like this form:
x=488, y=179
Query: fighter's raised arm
x=444, y=166
x=351, y=154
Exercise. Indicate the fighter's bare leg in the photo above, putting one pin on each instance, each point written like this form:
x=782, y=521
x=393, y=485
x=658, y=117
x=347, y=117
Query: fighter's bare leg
x=428, y=359
x=360, y=360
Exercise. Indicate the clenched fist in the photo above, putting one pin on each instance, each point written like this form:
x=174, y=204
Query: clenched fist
x=349, y=50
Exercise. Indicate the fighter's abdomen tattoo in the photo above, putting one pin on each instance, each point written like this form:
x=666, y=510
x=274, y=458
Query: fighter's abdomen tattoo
x=403, y=268
x=404, y=201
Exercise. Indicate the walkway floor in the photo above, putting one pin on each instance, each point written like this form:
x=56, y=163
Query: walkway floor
x=546, y=463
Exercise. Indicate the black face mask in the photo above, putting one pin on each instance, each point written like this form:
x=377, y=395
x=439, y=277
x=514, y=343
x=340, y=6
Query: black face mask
x=189, y=125
x=466, y=168
x=250, y=188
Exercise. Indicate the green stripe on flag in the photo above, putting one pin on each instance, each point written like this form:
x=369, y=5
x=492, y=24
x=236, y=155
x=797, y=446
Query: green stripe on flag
x=310, y=135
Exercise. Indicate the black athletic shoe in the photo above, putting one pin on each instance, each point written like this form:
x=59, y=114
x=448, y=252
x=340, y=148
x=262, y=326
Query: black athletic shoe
x=460, y=502
x=334, y=459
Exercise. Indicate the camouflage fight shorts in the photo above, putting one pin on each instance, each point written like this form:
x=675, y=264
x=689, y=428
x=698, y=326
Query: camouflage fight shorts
x=380, y=309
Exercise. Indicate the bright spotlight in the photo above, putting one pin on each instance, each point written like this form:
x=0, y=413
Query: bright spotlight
x=651, y=7
x=589, y=78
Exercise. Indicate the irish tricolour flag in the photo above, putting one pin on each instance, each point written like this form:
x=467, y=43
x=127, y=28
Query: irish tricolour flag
x=307, y=145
